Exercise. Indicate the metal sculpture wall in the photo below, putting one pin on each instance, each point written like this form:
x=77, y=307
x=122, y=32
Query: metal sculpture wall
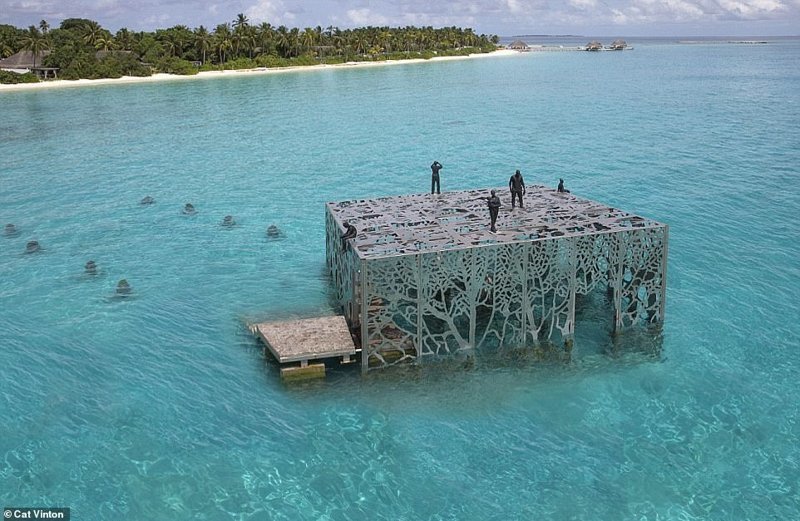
x=513, y=293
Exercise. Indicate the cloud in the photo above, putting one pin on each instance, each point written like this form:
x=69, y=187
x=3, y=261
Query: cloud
x=504, y=17
x=582, y=4
x=365, y=16
x=751, y=10
x=669, y=11
x=271, y=11
x=514, y=6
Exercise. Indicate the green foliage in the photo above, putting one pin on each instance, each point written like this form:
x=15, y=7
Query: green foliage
x=10, y=40
x=75, y=24
x=271, y=61
x=82, y=65
x=231, y=45
x=148, y=48
x=121, y=63
x=173, y=65
x=7, y=77
x=241, y=63
x=67, y=47
x=333, y=60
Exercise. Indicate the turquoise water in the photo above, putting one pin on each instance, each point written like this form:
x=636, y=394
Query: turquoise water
x=161, y=406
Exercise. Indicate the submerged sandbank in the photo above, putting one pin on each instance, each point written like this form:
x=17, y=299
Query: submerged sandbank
x=50, y=84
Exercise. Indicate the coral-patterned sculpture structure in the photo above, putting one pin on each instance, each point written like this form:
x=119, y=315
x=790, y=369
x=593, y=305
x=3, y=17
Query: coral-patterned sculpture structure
x=424, y=277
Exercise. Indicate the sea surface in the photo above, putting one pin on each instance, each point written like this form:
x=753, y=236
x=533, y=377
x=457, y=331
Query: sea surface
x=161, y=406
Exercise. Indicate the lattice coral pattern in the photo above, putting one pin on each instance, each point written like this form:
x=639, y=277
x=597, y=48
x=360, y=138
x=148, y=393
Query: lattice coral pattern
x=424, y=278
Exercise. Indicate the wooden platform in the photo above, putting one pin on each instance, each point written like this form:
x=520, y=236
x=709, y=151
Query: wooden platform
x=307, y=339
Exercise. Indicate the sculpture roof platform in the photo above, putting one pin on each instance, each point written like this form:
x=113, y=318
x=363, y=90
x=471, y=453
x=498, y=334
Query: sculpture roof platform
x=422, y=223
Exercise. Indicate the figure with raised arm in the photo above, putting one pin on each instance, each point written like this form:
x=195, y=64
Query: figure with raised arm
x=435, y=167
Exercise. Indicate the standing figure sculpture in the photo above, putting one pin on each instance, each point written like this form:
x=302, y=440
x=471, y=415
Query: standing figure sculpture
x=561, y=188
x=517, y=186
x=435, y=167
x=494, y=209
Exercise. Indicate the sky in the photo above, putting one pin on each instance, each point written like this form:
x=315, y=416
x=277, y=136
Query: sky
x=500, y=17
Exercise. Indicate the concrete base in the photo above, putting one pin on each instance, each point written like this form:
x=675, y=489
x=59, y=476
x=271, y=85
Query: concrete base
x=295, y=372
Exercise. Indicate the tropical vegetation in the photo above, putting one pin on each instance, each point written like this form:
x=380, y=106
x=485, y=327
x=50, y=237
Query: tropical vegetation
x=82, y=48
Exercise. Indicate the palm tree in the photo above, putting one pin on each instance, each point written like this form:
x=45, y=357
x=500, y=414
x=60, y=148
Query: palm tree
x=249, y=39
x=44, y=26
x=202, y=41
x=104, y=42
x=266, y=34
x=241, y=21
x=385, y=40
x=360, y=43
x=91, y=32
x=35, y=42
x=124, y=39
x=240, y=25
x=308, y=38
x=222, y=41
x=282, y=41
x=294, y=38
x=172, y=44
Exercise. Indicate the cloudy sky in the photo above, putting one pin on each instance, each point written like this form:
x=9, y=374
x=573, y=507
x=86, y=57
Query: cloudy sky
x=502, y=17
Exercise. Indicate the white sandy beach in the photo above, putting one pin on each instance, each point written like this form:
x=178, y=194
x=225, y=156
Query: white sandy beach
x=51, y=84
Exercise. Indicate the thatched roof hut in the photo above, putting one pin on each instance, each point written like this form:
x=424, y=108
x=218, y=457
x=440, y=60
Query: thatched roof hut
x=519, y=45
x=594, y=45
x=618, y=45
x=23, y=61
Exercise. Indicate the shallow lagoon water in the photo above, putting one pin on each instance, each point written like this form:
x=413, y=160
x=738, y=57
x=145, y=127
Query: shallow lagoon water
x=162, y=406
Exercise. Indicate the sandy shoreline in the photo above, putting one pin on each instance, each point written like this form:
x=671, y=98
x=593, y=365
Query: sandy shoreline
x=125, y=80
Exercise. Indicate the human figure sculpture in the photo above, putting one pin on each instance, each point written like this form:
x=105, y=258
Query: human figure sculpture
x=189, y=209
x=228, y=221
x=517, y=186
x=494, y=209
x=273, y=232
x=435, y=167
x=32, y=247
x=10, y=229
x=90, y=268
x=350, y=232
x=147, y=200
x=561, y=188
x=123, y=288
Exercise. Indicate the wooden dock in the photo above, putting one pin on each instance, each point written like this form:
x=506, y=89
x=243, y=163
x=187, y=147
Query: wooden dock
x=302, y=341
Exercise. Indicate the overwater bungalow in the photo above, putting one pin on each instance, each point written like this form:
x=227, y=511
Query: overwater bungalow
x=594, y=45
x=519, y=45
x=618, y=45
